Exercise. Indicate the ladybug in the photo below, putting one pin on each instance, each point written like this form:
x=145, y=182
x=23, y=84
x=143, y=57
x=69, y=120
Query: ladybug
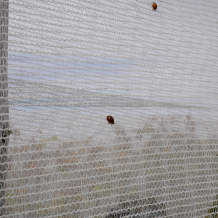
x=154, y=6
x=110, y=119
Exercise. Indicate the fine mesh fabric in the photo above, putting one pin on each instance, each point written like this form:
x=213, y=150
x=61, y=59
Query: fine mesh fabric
x=72, y=63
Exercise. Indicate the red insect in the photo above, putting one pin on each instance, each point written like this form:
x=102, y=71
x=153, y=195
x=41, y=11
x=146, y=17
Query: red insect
x=154, y=6
x=110, y=119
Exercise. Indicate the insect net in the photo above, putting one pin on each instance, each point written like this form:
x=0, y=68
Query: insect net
x=73, y=63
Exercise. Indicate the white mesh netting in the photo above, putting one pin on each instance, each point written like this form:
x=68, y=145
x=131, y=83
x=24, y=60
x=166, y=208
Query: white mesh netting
x=71, y=63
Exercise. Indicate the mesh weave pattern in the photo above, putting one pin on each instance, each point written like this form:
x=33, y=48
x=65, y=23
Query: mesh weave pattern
x=72, y=63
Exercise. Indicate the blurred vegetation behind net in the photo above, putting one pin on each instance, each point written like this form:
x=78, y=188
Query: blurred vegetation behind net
x=92, y=177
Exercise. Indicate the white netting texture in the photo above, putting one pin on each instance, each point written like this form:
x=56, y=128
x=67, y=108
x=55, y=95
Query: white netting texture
x=71, y=63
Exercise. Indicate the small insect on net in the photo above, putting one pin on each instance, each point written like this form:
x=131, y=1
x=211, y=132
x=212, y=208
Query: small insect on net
x=71, y=63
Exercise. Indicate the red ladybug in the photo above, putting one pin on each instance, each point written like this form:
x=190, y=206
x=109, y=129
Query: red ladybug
x=110, y=119
x=154, y=6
